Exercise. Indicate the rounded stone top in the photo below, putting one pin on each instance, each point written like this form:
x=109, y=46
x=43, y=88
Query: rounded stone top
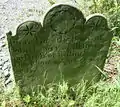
x=61, y=18
x=97, y=21
x=27, y=30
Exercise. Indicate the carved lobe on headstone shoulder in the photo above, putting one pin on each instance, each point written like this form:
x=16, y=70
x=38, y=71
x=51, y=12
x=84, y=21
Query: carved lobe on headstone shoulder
x=27, y=30
x=97, y=21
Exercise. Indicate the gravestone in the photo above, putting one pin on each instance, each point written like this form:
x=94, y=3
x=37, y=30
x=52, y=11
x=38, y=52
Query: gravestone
x=66, y=45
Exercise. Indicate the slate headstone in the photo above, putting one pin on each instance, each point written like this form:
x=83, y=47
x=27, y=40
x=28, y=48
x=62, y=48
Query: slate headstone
x=66, y=45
